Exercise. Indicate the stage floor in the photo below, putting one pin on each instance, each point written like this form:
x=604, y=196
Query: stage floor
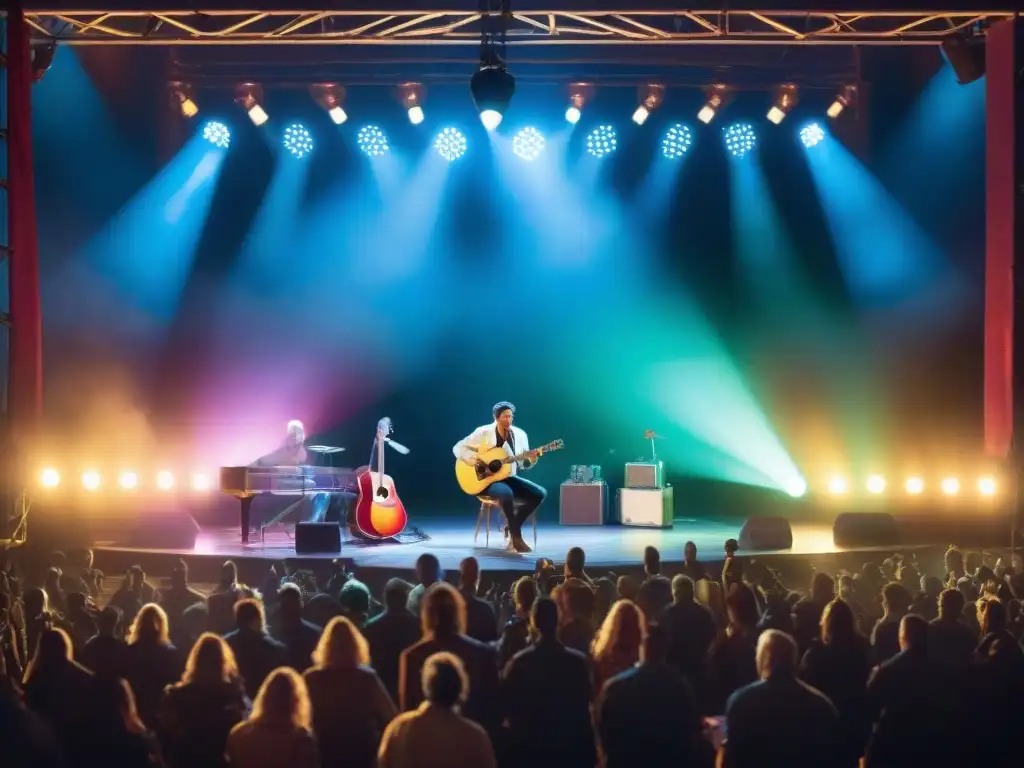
x=451, y=540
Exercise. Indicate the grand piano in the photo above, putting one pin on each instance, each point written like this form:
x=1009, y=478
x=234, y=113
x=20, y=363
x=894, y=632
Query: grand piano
x=246, y=483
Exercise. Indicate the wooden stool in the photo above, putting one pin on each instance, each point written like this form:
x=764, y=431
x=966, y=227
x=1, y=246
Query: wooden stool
x=488, y=503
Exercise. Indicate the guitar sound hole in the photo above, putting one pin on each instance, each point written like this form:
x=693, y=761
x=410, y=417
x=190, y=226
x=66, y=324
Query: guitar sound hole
x=382, y=492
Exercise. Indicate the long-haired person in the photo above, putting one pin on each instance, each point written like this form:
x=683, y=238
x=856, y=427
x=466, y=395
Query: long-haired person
x=198, y=713
x=152, y=662
x=351, y=708
x=59, y=689
x=618, y=642
x=279, y=732
x=119, y=737
x=733, y=654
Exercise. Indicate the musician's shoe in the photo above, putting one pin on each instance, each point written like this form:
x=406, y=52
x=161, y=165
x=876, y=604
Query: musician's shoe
x=520, y=546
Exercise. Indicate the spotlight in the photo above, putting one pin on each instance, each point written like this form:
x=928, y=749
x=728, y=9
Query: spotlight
x=579, y=94
x=164, y=480
x=838, y=486
x=796, y=488
x=785, y=99
x=677, y=140
x=717, y=96
x=650, y=97
x=914, y=486
x=185, y=97
x=844, y=99
x=812, y=135
x=739, y=139
x=450, y=144
x=90, y=480
x=950, y=486
x=200, y=482
x=372, y=140
x=492, y=86
x=49, y=477
x=412, y=99
x=876, y=484
x=987, y=486
x=128, y=480
x=217, y=134
x=602, y=141
x=297, y=140
x=248, y=96
x=528, y=144
x=330, y=96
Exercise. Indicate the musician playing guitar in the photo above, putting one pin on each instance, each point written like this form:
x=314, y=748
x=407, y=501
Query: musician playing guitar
x=514, y=491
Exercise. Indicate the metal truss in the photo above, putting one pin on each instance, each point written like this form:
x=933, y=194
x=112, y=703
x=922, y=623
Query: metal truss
x=630, y=26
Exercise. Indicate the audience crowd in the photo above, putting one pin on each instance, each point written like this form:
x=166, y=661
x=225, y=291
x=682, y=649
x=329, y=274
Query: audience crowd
x=888, y=666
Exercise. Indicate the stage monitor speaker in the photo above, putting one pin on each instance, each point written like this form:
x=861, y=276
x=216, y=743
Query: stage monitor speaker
x=317, y=538
x=583, y=503
x=966, y=56
x=646, y=507
x=865, y=529
x=765, y=533
x=644, y=475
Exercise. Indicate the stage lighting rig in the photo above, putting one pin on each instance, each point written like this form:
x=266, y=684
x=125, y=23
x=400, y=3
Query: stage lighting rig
x=651, y=97
x=249, y=97
x=492, y=85
x=331, y=97
x=412, y=100
x=185, y=96
x=579, y=94
x=718, y=96
x=785, y=99
x=845, y=98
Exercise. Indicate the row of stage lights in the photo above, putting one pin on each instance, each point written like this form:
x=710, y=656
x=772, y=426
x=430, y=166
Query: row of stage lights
x=528, y=144
x=127, y=480
x=912, y=486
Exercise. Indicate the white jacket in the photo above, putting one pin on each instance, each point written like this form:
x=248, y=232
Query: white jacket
x=484, y=438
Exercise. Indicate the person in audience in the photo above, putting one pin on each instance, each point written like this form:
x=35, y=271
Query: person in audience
x=885, y=637
x=692, y=567
x=838, y=664
x=732, y=568
x=300, y=637
x=80, y=620
x=605, y=595
x=732, y=658
x=279, y=732
x=428, y=573
x=515, y=637
x=176, y=600
x=78, y=574
x=807, y=612
x=435, y=735
x=390, y=633
x=444, y=629
x=351, y=707
x=953, y=561
x=220, y=605
x=481, y=623
x=691, y=630
x=134, y=593
x=118, y=737
x=617, y=645
x=575, y=601
x=56, y=688
x=545, y=699
x=778, y=720
x=710, y=595
x=655, y=593
x=58, y=598
x=627, y=588
x=38, y=619
x=26, y=739
x=355, y=601
x=152, y=663
x=647, y=716
x=106, y=653
x=257, y=653
x=575, y=561
x=847, y=591
x=926, y=603
x=995, y=684
x=950, y=641
x=197, y=713
x=10, y=638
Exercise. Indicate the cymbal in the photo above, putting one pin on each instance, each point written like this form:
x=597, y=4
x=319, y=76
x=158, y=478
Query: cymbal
x=324, y=449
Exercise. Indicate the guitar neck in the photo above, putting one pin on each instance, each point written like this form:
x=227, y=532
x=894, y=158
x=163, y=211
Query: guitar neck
x=524, y=454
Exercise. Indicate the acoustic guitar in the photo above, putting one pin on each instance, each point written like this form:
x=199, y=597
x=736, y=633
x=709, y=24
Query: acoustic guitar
x=379, y=513
x=494, y=465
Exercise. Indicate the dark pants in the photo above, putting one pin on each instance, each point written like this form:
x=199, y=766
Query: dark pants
x=519, y=498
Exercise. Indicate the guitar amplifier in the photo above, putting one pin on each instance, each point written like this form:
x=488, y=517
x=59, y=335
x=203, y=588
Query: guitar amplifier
x=583, y=503
x=645, y=475
x=646, y=507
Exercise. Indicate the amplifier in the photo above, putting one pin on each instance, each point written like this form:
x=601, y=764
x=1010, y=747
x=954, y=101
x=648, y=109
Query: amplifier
x=583, y=503
x=646, y=507
x=645, y=475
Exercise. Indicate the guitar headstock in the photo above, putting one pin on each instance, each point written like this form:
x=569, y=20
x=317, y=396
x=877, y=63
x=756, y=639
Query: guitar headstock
x=555, y=445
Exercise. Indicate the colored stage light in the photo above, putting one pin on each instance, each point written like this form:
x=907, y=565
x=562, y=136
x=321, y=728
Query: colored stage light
x=651, y=97
x=528, y=144
x=330, y=96
x=844, y=99
x=49, y=477
x=785, y=100
x=185, y=96
x=411, y=95
x=217, y=134
x=450, y=144
x=579, y=94
x=812, y=135
x=602, y=141
x=876, y=484
x=987, y=486
x=164, y=480
x=297, y=140
x=838, y=486
x=573, y=114
x=739, y=139
x=200, y=482
x=796, y=488
x=717, y=97
x=128, y=480
x=372, y=141
x=914, y=486
x=249, y=97
x=950, y=486
x=677, y=140
x=90, y=480
x=492, y=86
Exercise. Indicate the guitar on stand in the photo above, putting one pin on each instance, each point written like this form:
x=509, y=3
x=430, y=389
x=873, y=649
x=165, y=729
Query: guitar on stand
x=379, y=513
x=494, y=465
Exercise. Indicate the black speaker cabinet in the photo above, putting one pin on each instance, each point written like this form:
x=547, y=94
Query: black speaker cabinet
x=865, y=529
x=317, y=538
x=765, y=533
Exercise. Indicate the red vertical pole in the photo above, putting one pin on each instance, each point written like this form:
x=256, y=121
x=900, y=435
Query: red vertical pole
x=1000, y=234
